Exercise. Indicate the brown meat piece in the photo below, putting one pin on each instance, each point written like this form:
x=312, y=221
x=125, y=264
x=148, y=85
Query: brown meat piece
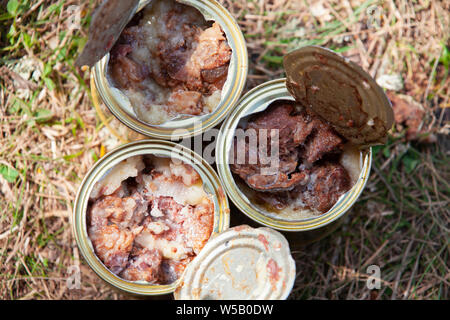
x=125, y=71
x=326, y=184
x=113, y=246
x=293, y=128
x=252, y=173
x=176, y=60
x=143, y=265
x=125, y=212
x=295, y=131
x=280, y=181
x=323, y=141
x=212, y=51
x=215, y=75
x=187, y=60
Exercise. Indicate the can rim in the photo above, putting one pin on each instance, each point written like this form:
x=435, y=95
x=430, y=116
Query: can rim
x=268, y=92
x=148, y=146
x=226, y=249
x=237, y=76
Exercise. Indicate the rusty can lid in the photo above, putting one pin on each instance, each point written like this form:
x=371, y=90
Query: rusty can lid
x=108, y=21
x=340, y=92
x=240, y=263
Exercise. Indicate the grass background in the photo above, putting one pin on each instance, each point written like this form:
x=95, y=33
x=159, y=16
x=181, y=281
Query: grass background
x=50, y=135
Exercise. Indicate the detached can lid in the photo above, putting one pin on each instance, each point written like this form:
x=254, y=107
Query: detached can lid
x=240, y=263
x=340, y=92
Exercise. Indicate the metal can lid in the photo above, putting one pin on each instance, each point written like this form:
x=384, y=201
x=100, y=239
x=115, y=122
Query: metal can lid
x=341, y=92
x=107, y=24
x=240, y=263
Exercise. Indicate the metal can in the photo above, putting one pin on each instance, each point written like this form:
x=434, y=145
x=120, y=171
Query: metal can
x=315, y=69
x=119, y=104
x=256, y=100
x=167, y=149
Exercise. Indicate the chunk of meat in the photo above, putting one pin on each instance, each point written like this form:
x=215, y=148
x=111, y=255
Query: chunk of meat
x=121, y=50
x=112, y=245
x=280, y=181
x=324, y=141
x=293, y=129
x=124, y=212
x=327, y=183
x=186, y=102
x=169, y=208
x=286, y=178
x=179, y=63
x=200, y=50
x=127, y=72
x=216, y=76
x=212, y=51
x=323, y=185
x=143, y=265
x=277, y=127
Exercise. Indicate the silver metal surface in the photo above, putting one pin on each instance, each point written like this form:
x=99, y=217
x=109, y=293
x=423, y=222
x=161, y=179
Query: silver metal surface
x=240, y=263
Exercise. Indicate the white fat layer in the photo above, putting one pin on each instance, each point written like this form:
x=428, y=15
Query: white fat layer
x=120, y=172
x=175, y=249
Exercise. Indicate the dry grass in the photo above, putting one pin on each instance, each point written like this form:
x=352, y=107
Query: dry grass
x=50, y=136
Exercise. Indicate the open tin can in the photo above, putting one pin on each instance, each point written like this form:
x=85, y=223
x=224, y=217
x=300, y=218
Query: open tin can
x=312, y=71
x=182, y=126
x=221, y=263
x=163, y=149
